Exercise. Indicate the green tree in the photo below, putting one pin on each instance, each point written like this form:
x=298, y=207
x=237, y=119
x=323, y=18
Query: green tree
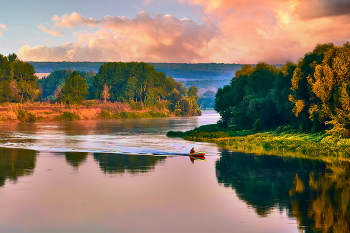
x=141, y=82
x=248, y=102
x=24, y=75
x=130, y=89
x=74, y=89
x=302, y=97
x=6, y=77
x=50, y=84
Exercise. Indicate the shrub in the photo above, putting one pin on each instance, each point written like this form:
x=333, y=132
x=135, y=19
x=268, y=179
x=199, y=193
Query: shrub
x=90, y=103
x=68, y=116
x=25, y=116
x=105, y=114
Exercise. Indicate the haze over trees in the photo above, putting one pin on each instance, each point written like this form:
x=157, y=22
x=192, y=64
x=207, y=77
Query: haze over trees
x=312, y=95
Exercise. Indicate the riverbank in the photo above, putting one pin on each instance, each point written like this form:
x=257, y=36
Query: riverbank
x=281, y=142
x=90, y=110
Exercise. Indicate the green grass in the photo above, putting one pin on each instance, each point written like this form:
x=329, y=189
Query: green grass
x=283, y=142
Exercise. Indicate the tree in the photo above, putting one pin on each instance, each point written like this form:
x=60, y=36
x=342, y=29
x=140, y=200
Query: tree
x=106, y=93
x=6, y=77
x=24, y=75
x=302, y=97
x=130, y=89
x=57, y=78
x=74, y=89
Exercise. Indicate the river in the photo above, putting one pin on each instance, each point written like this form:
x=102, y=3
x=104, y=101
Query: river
x=127, y=176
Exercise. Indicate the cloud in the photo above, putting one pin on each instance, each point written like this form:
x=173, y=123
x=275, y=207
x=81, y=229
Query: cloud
x=150, y=38
x=271, y=30
x=233, y=31
x=147, y=2
x=311, y=9
x=2, y=28
x=52, y=32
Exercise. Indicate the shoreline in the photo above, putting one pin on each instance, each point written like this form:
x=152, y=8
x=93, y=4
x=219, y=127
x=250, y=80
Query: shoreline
x=43, y=112
x=319, y=146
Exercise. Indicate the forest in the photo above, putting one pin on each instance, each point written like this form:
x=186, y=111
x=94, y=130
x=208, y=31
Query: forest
x=204, y=76
x=311, y=95
x=132, y=82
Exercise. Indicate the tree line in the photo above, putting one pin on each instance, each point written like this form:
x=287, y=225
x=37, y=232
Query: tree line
x=115, y=81
x=312, y=94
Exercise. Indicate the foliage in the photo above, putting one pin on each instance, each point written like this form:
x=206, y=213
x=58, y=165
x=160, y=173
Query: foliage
x=68, y=116
x=17, y=80
x=105, y=114
x=55, y=81
x=25, y=116
x=139, y=82
x=252, y=100
x=74, y=89
x=312, y=95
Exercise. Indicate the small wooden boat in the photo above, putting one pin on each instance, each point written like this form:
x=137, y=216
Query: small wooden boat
x=199, y=154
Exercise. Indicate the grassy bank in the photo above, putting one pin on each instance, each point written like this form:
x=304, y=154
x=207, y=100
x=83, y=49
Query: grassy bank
x=282, y=141
x=91, y=110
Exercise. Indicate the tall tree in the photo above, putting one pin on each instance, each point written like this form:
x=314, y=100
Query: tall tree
x=24, y=75
x=6, y=77
x=74, y=89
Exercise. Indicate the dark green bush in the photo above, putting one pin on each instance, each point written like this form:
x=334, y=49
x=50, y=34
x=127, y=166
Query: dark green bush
x=68, y=116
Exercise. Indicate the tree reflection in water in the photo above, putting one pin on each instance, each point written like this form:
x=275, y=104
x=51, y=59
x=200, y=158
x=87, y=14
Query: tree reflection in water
x=313, y=192
x=16, y=163
x=75, y=159
x=121, y=163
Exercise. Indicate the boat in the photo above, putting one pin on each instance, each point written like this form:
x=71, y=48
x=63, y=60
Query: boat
x=199, y=154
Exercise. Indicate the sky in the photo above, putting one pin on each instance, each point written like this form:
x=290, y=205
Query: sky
x=190, y=31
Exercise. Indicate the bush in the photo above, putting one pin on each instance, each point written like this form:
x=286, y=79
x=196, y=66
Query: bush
x=105, y=114
x=90, y=103
x=136, y=106
x=68, y=116
x=25, y=116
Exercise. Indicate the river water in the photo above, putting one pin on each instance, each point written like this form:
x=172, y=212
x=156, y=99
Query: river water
x=127, y=176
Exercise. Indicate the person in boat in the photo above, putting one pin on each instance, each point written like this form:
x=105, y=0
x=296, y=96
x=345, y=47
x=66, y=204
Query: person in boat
x=191, y=155
x=192, y=151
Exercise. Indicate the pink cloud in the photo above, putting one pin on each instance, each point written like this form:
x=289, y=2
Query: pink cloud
x=52, y=32
x=2, y=28
x=272, y=30
x=157, y=38
x=234, y=31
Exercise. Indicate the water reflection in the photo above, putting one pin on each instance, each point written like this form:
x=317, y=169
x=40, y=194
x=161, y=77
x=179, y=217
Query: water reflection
x=313, y=192
x=121, y=163
x=75, y=159
x=136, y=136
x=16, y=163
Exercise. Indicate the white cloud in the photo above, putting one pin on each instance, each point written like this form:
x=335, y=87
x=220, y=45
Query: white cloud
x=52, y=32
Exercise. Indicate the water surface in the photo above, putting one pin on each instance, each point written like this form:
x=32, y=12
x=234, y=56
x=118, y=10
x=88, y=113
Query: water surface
x=76, y=177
